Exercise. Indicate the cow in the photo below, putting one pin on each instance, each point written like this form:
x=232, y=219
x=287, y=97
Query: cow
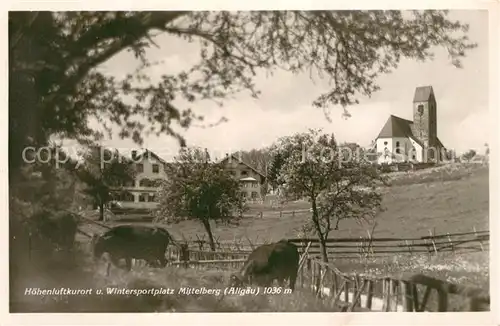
x=133, y=241
x=269, y=262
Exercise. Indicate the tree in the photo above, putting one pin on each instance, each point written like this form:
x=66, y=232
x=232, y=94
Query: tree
x=54, y=56
x=469, y=155
x=105, y=173
x=338, y=183
x=197, y=188
x=259, y=158
x=275, y=166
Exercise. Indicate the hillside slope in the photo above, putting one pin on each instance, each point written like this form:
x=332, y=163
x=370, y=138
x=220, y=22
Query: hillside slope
x=410, y=210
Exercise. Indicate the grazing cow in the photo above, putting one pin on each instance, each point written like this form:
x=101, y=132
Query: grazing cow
x=133, y=241
x=275, y=261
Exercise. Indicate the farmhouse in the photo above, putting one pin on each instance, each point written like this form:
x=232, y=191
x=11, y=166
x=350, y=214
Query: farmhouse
x=252, y=182
x=142, y=192
x=403, y=140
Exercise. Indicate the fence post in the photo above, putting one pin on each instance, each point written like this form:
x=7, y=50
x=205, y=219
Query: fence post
x=346, y=291
x=451, y=242
x=184, y=255
x=442, y=300
x=433, y=242
x=385, y=295
x=369, y=295
x=480, y=242
x=406, y=296
x=355, y=289
x=313, y=275
x=334, y=284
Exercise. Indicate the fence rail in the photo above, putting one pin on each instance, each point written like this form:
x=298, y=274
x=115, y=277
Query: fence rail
x=413, y=293
x=362, y=247
x=351, y=291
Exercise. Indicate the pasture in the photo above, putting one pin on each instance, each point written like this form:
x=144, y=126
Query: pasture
x=441, y=200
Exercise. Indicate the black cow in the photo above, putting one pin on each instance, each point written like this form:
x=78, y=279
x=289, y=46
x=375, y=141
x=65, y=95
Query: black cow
x=275, y=261
x=133, y=241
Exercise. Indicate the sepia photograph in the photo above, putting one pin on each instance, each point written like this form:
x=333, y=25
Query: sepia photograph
x=236, y=161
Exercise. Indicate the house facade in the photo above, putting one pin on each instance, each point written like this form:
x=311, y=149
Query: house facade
x=141, y=194
x=252, y=182
x=402, y=140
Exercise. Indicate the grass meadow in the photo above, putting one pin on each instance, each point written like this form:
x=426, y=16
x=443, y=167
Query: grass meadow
x=445, y=199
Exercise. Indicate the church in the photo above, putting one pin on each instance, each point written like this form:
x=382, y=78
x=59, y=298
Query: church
x=402, y=140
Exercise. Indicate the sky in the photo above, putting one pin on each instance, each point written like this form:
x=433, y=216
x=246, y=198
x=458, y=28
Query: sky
x=285, y=105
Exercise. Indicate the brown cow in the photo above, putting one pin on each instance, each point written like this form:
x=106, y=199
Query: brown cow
x=275, y=261
x=133, y=241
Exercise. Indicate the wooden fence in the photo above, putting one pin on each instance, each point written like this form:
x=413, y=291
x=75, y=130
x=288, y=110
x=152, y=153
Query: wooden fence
x=355, y=292
x=358, y=292
x=462, y=242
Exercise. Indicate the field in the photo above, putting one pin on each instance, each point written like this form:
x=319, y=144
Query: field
x=450, y=199
x=440, y=200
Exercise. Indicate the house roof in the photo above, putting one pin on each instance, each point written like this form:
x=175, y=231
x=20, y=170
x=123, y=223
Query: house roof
x=148, y=153
x=423, y=93
x=398, y=127
x=233, y=156
x=440, y=143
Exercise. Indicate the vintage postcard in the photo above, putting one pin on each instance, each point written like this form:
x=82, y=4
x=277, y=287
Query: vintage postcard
x=261, y=162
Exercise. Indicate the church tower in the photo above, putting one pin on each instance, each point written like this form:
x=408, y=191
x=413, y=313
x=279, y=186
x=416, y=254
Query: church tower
x=424, y=116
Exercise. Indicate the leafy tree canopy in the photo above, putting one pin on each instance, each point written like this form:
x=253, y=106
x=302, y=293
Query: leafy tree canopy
x=338, y=182
x=197, y=188
x=54, y=56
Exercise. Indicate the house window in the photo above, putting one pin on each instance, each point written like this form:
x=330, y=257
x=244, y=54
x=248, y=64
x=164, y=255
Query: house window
x=245, y=185
x=156, y=168
x=385, y=143
x=142, y=198
x=397, y=147
x=152, y=198
x=127, y=197
x=255, y=194
x=244, y=172
x=146, y=183
x=243, y=194
x=140, y=167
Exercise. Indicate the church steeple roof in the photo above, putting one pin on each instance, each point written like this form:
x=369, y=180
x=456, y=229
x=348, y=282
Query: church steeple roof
x=423, y=94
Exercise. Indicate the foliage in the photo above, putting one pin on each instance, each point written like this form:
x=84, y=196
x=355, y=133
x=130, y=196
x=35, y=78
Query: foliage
x=469, y=155
x=55, y=56
x=338, y=182
x=256, y=158
x=105, y=173
x=42, y=219
x=276, y=163
x=200, y=189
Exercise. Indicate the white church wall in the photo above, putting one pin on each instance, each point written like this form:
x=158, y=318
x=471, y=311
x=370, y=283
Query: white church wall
x=388, y=153
x=418, y=151
x=384, y=150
